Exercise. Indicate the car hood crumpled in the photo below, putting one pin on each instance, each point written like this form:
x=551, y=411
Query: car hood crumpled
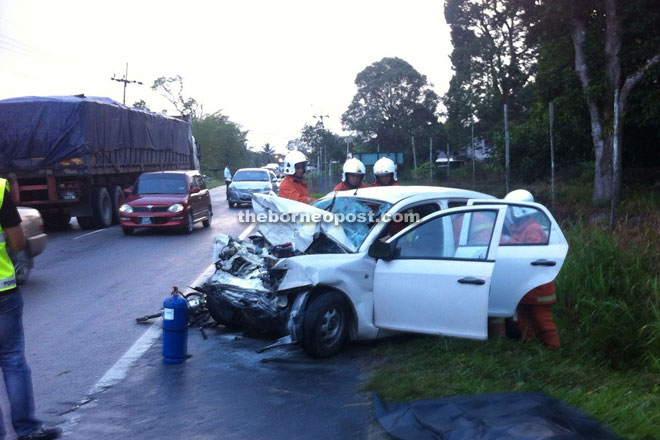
x=293, y=222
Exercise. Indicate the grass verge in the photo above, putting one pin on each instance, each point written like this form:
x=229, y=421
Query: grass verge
x=412, y=368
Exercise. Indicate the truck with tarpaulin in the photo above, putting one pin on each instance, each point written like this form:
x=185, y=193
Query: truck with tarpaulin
x=79, y=156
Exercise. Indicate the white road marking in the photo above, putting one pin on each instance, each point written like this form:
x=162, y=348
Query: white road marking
x=119, y=370
x=246, y=232
x=89, y=233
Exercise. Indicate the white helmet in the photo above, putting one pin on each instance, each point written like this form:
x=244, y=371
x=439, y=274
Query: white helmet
x=352, y=166
x=519, y=195
x=385, y=166
x=290, y=161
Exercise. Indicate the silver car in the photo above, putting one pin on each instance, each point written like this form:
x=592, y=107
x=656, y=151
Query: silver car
x=248, y=181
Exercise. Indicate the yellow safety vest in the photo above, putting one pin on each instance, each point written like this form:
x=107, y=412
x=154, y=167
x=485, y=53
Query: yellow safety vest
x=7, y=274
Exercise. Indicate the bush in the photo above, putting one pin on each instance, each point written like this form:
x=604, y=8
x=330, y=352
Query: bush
x=608, y=296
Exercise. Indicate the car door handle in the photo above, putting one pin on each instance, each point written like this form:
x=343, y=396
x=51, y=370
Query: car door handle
x=543, y=262
x=472, y=280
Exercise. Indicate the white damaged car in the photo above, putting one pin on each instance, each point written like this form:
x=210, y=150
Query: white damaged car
x=362, y=265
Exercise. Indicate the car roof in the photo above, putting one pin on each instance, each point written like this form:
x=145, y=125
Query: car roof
x=252, y=169
x=394, y=194
x=188, y=172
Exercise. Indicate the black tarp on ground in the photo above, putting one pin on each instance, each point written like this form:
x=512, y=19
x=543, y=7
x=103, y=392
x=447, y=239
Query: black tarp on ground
x=40, y=132
x=500, y=416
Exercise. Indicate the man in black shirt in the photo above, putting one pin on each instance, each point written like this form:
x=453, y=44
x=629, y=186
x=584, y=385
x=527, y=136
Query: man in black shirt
x=18, y=380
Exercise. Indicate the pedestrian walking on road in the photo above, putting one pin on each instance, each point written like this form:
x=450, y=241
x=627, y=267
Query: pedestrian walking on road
x=15, y=370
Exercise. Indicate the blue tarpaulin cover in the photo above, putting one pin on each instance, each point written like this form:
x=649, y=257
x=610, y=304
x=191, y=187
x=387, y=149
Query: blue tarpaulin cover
x=41, y=132
x=499, y=416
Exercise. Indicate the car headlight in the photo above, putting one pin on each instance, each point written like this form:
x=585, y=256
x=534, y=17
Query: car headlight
x=177, y=207
x=126, y=209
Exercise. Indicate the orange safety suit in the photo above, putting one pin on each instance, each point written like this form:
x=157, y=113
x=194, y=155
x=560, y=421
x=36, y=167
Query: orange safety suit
x=535, y=308
x=343, y=186
x=295, y=189
x=377, y=183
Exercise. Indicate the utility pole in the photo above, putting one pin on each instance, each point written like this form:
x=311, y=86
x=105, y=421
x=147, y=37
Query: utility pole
x=506, y=147
x=125, y=81
x=431, y=163
x=474, y=172
x=325, y=156
x=552, y=153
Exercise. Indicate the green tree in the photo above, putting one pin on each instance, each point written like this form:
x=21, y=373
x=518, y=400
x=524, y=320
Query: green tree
x=492, y=61
x=268, y=152
x=393, y=103
x=221, y=142
x=141, y=104
x=172, y=89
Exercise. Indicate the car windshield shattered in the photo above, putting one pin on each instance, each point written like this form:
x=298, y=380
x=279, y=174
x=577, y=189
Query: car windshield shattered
x=356, y=216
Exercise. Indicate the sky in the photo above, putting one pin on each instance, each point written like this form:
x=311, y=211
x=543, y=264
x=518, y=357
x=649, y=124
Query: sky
x=270, y=66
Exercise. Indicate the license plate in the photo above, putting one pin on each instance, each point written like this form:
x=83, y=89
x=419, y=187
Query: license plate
x=145, y=220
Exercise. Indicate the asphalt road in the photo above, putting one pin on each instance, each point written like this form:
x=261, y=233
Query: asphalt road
x=98, y=374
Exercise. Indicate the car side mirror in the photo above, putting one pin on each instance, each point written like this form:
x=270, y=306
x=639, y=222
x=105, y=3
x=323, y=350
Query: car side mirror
x=381, y=250
x=194, y=190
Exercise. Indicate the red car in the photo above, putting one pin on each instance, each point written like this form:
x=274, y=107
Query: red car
x=167, y=199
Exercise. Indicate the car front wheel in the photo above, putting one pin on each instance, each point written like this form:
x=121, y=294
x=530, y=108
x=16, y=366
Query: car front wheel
x=325, y=325
x=190, y=224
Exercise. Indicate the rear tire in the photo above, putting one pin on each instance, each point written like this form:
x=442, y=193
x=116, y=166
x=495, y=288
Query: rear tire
x=101, y=207
x=117, y=197
x=325, y=325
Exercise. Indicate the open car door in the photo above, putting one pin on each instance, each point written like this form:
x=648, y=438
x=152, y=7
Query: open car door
x=532, y=250
x=438, y=278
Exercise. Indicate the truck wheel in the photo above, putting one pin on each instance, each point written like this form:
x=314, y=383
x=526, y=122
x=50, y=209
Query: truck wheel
x=117, y=197
x=325, y=325
x=101, y=207
x=209, y=213
x=85, y=222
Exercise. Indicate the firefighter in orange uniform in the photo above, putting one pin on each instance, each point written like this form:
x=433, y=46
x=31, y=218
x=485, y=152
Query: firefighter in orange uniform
x=535, y=309
x=293, y=185
x=352, y=175
x=385, y=172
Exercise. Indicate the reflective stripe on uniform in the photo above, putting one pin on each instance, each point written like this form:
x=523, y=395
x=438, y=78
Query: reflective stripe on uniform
x=546, y=298
x=7, y=282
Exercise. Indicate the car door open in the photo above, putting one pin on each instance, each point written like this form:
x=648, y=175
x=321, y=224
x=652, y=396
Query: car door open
x=438, y=279
x=531, y=251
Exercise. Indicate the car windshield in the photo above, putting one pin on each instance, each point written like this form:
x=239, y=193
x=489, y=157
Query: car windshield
x=251, y=176
x=356, y=216
x=161, y=184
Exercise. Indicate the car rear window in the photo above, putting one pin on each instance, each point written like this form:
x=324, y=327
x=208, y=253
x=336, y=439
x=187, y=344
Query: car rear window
x=251, y=176
x=161, y=184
